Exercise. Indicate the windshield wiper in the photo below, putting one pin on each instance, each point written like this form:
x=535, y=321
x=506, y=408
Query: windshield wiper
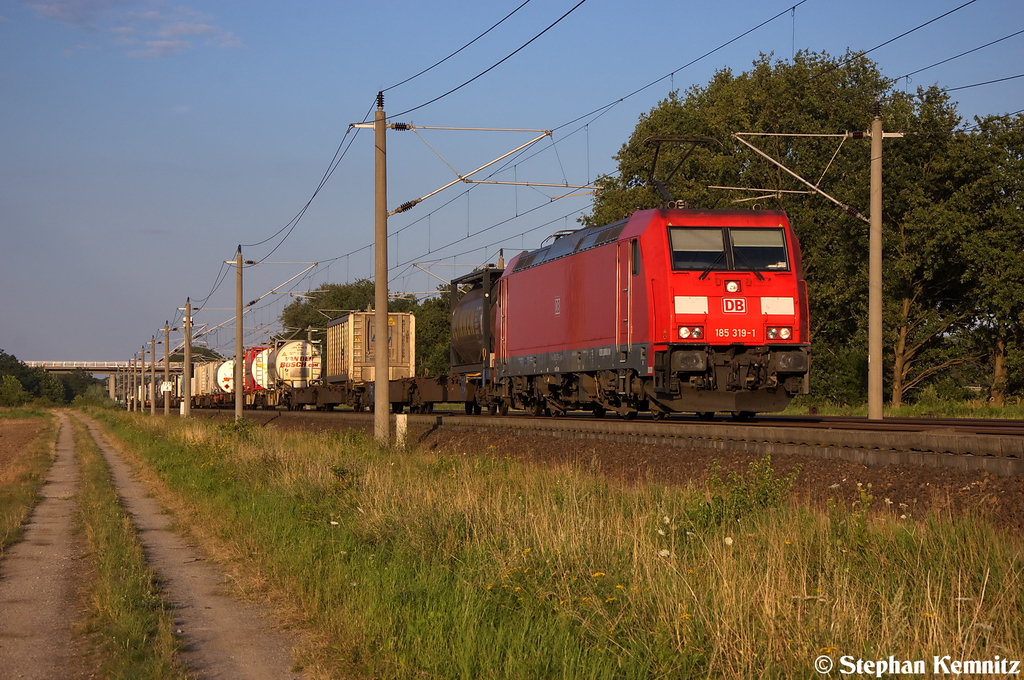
x=739, y=256
x=711, y=266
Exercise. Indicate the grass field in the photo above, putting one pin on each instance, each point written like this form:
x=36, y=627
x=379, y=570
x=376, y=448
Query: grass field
x=412, y=564
x=23, y=466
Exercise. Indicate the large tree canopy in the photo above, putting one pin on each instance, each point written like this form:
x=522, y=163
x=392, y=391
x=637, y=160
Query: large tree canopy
x=930, y=302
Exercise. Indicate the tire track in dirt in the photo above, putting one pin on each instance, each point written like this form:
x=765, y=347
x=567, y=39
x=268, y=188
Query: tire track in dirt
x=223, y=638
x=40, y=579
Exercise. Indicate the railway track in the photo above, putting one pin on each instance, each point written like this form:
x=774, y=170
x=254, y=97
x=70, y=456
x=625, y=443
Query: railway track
x=992, y=446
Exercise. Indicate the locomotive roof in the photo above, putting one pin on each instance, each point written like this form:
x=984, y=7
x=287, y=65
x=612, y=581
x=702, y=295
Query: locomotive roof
x=592, y=237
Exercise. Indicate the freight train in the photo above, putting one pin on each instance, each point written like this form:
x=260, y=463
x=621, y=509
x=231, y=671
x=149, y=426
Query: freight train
x=668, y=311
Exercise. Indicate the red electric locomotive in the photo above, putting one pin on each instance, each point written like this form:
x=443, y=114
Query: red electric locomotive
x=668, y=311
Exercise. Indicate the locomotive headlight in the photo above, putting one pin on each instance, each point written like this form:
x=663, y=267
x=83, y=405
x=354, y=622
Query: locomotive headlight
x=732, y=286
x=785, y=333
x=698, y=332
x=773, y=333
x=684, y=332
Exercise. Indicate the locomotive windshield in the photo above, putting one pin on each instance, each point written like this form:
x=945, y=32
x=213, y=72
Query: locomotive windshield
x=709, y=249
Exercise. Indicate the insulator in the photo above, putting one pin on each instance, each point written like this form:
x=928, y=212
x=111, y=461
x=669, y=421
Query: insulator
x=408, y=205
x=401, y=126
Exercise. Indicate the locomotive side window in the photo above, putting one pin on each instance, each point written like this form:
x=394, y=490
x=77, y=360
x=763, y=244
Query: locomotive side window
x=697, y=249
x=759, y=249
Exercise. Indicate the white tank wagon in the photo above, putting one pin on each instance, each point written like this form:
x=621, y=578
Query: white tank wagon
x=294, y=364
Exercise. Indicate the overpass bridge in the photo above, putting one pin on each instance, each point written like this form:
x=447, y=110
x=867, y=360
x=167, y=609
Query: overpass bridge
x=117, y=371
x=96, y=366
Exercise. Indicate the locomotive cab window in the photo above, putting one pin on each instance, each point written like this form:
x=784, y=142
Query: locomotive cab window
x=759, y=249
x=708, y=249
x=697, y=249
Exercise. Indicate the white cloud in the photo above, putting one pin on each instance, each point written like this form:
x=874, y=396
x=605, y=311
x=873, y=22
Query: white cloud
x=130, y=22
x=228, y=39
x=161, y=48
x=183, y=28
x=78, y=12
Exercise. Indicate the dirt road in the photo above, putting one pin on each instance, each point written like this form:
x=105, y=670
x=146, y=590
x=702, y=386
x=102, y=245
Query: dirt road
x=41, y=578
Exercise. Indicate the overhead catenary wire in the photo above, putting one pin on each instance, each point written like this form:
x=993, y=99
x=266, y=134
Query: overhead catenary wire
x=435, y=65
x=495, y=65
x=607, y=107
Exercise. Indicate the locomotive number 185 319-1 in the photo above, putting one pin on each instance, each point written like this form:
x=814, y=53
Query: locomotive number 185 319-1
x=739, y=333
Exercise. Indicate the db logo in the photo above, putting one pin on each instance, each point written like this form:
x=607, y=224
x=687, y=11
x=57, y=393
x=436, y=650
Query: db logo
x=734, y=305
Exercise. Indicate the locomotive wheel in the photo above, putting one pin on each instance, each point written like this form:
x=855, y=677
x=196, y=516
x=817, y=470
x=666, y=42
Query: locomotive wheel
x=658, y=414
x=629, y=415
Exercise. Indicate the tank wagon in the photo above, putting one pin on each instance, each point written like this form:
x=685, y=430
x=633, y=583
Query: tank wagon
x=269, y=372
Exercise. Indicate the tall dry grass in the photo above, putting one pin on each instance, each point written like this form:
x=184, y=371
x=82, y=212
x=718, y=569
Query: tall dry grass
x=474, y=564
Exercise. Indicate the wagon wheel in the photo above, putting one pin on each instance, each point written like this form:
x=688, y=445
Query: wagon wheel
x=536, y=409
x=743, y=416
x=706, y=415
x=503, y=408
x=600, y=411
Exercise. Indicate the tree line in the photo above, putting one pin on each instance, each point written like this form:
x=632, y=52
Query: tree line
x=953, y=224
x=20, y=384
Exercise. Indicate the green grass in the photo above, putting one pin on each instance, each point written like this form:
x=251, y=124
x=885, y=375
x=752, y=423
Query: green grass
x=128, y=623
x=22, y=475
x=476, y=565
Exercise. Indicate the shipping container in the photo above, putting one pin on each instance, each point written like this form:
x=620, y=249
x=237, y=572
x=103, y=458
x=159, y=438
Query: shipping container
x=351, y=347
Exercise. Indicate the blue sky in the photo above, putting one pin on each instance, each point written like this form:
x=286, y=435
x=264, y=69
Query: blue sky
x=143, y=141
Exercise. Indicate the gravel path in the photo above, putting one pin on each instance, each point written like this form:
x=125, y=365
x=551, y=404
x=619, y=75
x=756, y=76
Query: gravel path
x=41, y=580
x=224, y=638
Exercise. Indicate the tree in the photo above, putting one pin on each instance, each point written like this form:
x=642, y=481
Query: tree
x=816, y=93
x=11, y=391
x=325, y=303
x=991, y=194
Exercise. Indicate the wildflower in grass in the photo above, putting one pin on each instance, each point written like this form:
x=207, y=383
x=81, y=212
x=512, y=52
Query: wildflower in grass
x=621, y=587
x=661, y=532
x=598, y=574
x=664, y=553
x=611, y=599
x=728, y=540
